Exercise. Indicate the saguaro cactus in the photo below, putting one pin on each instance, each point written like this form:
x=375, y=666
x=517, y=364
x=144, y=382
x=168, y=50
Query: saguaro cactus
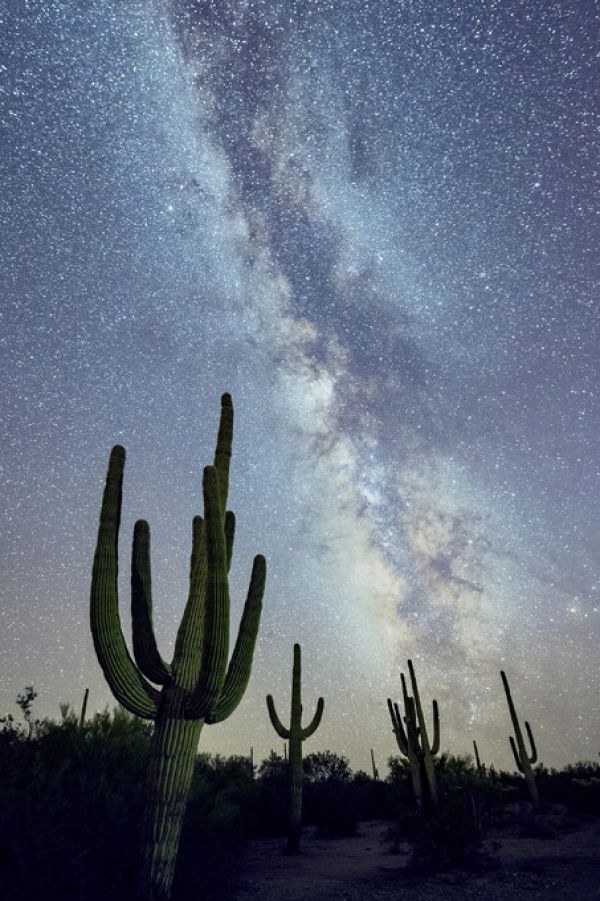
x=199, y=685
x=413, y=742
x=523, y=760
x=295, y=735
x=479, y=765
x=84, y=708
x=375, y=770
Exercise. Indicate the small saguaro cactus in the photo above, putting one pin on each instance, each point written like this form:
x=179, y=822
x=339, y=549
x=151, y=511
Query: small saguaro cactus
x=375, y=770
x=523, y=760
x=86, y=695
x=295, y=735
x=199, y=686
x=479, y=765
x=413, y=742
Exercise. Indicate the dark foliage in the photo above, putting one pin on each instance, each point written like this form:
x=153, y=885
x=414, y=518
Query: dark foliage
x=72, y=797
x=272, y=802
x=577, y=787
x=452, y=834
x=71, y=802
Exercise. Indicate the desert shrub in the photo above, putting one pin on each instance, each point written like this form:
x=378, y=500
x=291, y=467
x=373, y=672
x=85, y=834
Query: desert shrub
x=372, y=799
x=223, y=802
x=330, y=807
x=576, y=786
x=327, y=798
x=326, y=766
x=272, y=786
x=453, y=834
x=71, y=801
x=402, y=796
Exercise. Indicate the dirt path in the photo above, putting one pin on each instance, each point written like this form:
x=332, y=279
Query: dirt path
x=564, y=868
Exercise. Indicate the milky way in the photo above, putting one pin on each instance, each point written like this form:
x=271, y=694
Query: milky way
x=373, y=224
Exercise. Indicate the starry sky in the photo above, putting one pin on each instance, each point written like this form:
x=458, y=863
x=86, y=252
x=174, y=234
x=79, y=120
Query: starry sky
x=374, y=224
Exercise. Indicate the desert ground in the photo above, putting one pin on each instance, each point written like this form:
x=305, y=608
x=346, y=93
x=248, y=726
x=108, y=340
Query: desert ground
x=559, y=864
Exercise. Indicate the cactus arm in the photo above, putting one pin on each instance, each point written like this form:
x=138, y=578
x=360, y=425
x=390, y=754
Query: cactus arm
x=216, y=611
x=410, y=718
x=533, y=758
x=397, y=727
x=229, y=535
x=238, y=672
x=405, y=696
x=126, y=681
x=412, y=730
x=511, y=706
x=84, y=708
x=188, y=645
x=394, y=713
x=280, y=729
x=516, y=755
x=145, y=650
x=419, y=710
x=316, y=720
x=223, y=450
x=435, y=747
x=297, y=687
x=520, y=744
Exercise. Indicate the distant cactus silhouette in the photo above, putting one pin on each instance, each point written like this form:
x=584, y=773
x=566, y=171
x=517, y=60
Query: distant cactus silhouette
x=375, y=770
x=480, y=766
x=522, y=759
x=86, y=695
x=198, y=686
x=295, y=735
x=413, y=742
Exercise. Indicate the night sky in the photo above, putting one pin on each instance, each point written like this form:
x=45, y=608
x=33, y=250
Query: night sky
x=374, y=224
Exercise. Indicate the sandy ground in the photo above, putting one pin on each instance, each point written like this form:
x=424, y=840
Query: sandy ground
x=560, y=868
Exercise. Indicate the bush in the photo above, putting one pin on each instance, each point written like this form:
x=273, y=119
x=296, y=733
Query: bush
x=72, y=795
x=576, y=786
x=273, y=795
x=453, y=834
x=223, y=802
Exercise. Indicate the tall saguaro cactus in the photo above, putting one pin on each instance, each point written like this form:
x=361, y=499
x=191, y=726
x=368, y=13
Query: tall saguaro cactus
x=199, y=685
x=413, y=742
x=295, y=735
x=523, y=760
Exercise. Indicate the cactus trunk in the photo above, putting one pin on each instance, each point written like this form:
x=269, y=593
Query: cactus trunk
x=295, y=788
x=532, y=788
x=168, y=779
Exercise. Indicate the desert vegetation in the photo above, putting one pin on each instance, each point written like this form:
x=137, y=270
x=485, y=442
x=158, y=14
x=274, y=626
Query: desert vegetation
x=73, y=796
